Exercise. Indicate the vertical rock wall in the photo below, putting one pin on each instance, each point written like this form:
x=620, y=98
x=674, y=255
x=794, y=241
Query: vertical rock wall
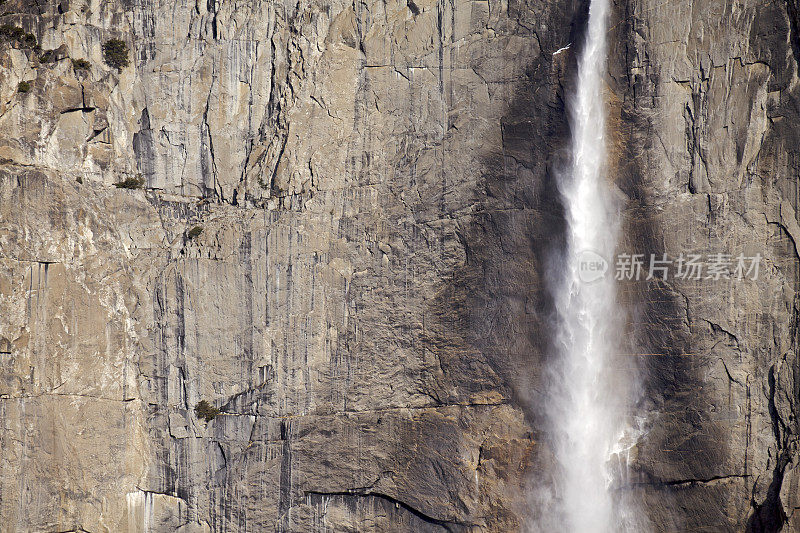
x=374, y=183
x=361, y=303
x=706, y=95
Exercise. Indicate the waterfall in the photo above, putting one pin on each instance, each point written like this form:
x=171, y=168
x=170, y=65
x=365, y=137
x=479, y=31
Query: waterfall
x=588, y=391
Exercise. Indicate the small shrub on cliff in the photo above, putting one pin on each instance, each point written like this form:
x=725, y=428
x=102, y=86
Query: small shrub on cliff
x=130, y=183
x=11, y=33
x=51, y=56
x=81, y=64
x=18, y=35
x=206, y=411
x=115, y=53
x=23, y=87
x=195, y=232
x=29, y=41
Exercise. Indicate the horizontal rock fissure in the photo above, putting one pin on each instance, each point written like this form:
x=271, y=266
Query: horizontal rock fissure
x=448, y=525
x=376, y=410
x=74, y=109
x=66, y=394
x=689, y=481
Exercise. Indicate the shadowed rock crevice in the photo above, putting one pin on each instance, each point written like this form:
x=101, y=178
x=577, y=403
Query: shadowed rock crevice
x=429, y=523
x=793, y=8
x=769, y=515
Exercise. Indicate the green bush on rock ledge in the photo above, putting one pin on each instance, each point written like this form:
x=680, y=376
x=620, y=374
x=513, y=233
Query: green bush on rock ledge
x=115, y=53
x=206, y=411
x=81, y=64
x=23, y=87
x=195, y=232
x=18, y=35
x=130, y=183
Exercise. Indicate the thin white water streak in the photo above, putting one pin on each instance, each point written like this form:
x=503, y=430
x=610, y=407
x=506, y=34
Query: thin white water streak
x=590, y=394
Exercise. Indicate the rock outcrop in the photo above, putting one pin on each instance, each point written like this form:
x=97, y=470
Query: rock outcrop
x=345, y=216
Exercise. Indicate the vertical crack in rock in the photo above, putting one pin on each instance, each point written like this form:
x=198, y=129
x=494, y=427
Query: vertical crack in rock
x=285, y=486
x=793, y=9
x=212, y=8
x=143, y=147
x=208, y=162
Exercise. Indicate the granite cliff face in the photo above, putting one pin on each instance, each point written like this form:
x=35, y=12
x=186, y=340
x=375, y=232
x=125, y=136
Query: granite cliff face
x=374, y=186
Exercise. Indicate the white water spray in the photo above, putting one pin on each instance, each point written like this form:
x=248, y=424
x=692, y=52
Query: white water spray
x=590, y=394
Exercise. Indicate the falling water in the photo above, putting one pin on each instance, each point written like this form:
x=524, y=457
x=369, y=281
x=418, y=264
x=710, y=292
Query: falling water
x=589, y=392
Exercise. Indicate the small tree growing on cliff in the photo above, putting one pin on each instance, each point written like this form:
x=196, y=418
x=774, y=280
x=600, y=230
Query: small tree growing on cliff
x=81, y=64
x=115, y=53
x=131, y=183
x=194, y=232
x=18, y=35
x=206, y=411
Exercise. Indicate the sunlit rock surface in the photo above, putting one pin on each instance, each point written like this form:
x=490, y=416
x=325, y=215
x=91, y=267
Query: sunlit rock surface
x=374, y=184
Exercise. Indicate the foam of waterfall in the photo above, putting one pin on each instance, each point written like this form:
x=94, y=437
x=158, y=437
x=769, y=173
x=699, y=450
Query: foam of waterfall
x=589, y=391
